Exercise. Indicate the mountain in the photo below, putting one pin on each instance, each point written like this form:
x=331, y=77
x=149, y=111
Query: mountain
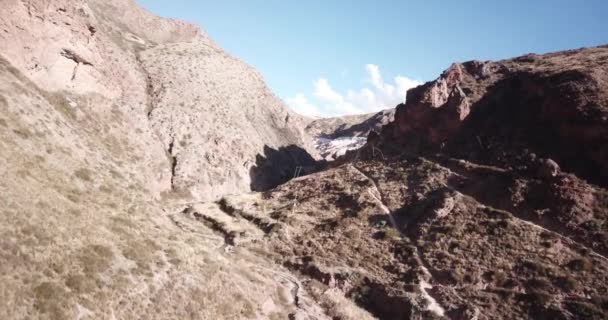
x=145, y=173
x=183, y=115
x=349, y=126
x=333, y=137
x=554, y=105
x=109, y=118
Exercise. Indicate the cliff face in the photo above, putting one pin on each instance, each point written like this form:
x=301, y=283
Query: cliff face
x=553, y=105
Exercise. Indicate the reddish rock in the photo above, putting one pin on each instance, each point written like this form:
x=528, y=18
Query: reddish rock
x=555, y=105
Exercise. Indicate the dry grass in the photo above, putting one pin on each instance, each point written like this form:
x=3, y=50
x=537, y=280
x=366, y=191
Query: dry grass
x=84, y=174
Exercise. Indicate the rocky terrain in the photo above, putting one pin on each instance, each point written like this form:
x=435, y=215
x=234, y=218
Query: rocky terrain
x=147, y=174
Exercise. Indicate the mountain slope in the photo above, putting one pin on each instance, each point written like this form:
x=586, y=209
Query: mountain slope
x=182, y=95
x=553, y=105
x=96, y=161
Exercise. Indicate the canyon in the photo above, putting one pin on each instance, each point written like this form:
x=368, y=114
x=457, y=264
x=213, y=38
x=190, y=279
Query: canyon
x=145, y=173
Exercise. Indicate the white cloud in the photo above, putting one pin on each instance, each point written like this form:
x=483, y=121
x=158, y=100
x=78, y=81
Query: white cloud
x=377, y=95
x=300, y=104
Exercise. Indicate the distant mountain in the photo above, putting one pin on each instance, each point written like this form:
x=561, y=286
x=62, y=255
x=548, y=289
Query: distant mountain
x=349, y=126
x=333, y=137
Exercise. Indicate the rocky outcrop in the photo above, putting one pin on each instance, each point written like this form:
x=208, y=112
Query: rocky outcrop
x=552, y=105
x=219, y=115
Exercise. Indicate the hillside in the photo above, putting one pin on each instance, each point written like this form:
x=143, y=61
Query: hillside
x=164, y=93
x=109, y=117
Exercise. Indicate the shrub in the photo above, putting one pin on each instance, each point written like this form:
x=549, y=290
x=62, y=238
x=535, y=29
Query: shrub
x=353, y=233
x=600, y=301
x=84, y=174
x=580, y=264
x=456, y=276
x=535, y=267
x=500, y=278
x=567, y=283
x=51, y=299
x=23, y=133
x=584, y=310
x=538, y=298
x=539, y=283
x=391, y=233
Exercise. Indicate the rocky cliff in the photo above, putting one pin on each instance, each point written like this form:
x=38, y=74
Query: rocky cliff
x=553, y=106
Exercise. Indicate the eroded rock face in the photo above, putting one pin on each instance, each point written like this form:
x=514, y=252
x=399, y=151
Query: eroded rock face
x=553, y=105
x=218, y=115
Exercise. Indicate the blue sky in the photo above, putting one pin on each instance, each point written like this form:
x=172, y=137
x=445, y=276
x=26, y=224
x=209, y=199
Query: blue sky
x=338, y=57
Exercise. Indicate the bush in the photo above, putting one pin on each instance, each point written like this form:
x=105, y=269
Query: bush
x=392, y=233
x=84, y=174
x=538, y=298
x=583, y=310
x=539, y=284
x=535, y=267
x=23, y=133
x=580, y=264
x=600, y=301
x=353, y=233
x=567, y=283
x=500, y=278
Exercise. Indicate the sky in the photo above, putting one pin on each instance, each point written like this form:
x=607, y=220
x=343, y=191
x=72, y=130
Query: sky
x=338, y=57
